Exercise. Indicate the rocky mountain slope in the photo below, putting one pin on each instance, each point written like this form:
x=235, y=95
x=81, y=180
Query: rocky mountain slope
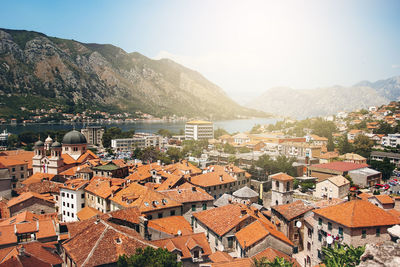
x=35, y=67
x=326, y=101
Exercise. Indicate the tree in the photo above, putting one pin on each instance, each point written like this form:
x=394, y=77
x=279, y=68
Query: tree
x=229, y=149
x=363, y=145
x=344, y=255
x=12, y=141
x=385, y=167
x=149, y=257
x=344, y=145
x=278, y=262
x=174, y=154
x=330, y=146
x=164, y=133
x=219, y=132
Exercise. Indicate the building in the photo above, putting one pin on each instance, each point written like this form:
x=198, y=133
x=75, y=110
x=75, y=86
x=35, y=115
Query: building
x=356, y=222
x=72, y=152
x=299, y=150
x=325, y=170
x=332, y=187
x=391, y=140
x=17, y=169
x=241, y=138
x=5, y=183
x=393, y=157
x=354, y=158
x=282, y=188
x=110, y=169
x=197, y=130
x=193, y=199
x=33, y=202
x=191, y=249
x=245, y=195
x=352, y=134
x=365, y=177
x=289, y=219
x=382, y=201
x=72, y=199
x=138, y=140
x=317, y=140
x=93, y=135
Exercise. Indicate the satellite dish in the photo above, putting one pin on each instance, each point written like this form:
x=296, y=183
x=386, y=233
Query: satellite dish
x=179, y=232
x=329, y=240
x=298, y=224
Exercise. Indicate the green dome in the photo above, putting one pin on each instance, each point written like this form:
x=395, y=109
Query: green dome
x=56, y=144
x=74, y=138
x=39, y=144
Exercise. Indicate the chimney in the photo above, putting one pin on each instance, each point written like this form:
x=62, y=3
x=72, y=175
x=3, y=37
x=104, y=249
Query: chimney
x=194, y=189
x=221, y=177
x=243, y=211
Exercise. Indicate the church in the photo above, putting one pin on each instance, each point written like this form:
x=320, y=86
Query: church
x=54, y=157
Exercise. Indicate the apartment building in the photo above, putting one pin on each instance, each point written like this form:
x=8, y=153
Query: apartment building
x=139, y=140
x=197, y=130
x=93, y=134
x=391, y=140
x=72, y=199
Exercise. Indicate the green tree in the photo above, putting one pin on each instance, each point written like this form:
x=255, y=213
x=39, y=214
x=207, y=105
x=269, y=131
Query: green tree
x=219, y=132
x=229, y=149
x=363, y=145
x=174, y=154
x=149, y=257
x=342, y=256
x=385, y=167
x=164, y=133
x=344, y=145
x=12, y=141
x=277, y=262
x=331, y=145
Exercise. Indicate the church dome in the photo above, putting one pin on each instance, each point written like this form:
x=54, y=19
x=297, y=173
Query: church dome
x=56, y=144
x=74, y=138
x=39, y=144
x=48, y=140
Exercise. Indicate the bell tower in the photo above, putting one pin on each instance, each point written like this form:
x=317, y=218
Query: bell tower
x=37, y=158
x=282, y=189
x=55, y=160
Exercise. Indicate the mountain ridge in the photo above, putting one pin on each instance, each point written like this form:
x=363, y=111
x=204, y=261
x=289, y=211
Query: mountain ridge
x=324, y=101
x=104, y=76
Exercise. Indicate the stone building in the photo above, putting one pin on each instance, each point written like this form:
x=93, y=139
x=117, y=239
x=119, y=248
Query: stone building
x=282, y=188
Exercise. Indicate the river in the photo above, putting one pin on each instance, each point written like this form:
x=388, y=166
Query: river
x=149, y=127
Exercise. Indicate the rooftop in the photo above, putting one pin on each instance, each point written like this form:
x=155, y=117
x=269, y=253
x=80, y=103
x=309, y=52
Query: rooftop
x=339, y=166
x=281, y=177
x=171, y=225
x=292, y=210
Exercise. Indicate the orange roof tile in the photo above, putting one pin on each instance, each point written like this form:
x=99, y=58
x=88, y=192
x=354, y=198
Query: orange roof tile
x=220, y=256
x=212, y=179
x=7, y=235
x=364, y=196
x=384, y=199
x=22, y=155
x=74, y=184
x=104, y=187
x=340, y=166
x=240, y=262
x=282, y=177
x=292, y=210
x=183, y=167
x=87, y=213
x=185, y=243
x=47, y=228
x=251, y=234
x=41, y=187
x=28, y=195
x=357, y=213
x=187, y=193
x=171, y=225
x=38, y=177
x=27, y=227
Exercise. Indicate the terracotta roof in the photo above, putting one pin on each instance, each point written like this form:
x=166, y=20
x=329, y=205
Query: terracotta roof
x=87, y=213
x=364, y=196
x=327, y=203
x=7, y=235
x=222, y=219
x=251, y=234
x=185, y=243
x=340, y=166
x=47, y=229
x=41, y=187
x=104, y=187
x=171, y=181
x=44, y=252
x=394, y=212
x=329, y=155
x=183, y=167
x=142, y=172
x=22, y=155
x=212, y=179
x=310, y=220
x=73, y=170
x=352, y=156
x=28, y=195
x=220, y=256
x=171, y=225
x=240, y=262
x=292, y=210
x=38, y=177
x=128, y=215
x=384, y=199
x=100, y=242
x=357, y=213
x=282, y=177
x=271, y=253
x=74, y=184
x=27, y=216
x=338, y=180
x=187, y=193
x=136, y=195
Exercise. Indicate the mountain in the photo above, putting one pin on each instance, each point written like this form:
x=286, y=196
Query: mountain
x=301, y=104
x=36, y=69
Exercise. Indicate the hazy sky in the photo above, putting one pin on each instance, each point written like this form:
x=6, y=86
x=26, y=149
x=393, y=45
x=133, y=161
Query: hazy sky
x=244, y=46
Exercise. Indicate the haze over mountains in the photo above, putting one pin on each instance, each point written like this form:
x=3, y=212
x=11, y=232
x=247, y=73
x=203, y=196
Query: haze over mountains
x=300, y=104
x=48, y=70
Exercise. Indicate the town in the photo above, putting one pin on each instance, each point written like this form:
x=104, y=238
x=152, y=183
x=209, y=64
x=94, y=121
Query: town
x=295, y=192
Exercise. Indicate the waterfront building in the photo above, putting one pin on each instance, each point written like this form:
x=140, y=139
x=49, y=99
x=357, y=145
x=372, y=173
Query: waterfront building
x=93, y=134
x=197, y=130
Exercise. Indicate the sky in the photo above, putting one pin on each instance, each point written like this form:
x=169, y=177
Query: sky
x=245, y=47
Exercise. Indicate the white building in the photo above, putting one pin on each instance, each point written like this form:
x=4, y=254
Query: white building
x=138, y=140
x=197, y=130
x=391, y=140
x=333, y=187
x=72, y=199
x=93, y=134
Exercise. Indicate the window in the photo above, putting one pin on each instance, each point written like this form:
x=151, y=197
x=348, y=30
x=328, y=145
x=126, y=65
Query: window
x=22, y=168
x=215, y=188
x=225, y=186
x=72, y=205
x=308, y=246
x=288, y=186
x=13, y=169
x=378, y=231
x=220, y=186
x=216, y=241
x=340, y=231
x=63, y=194
x=172, y=212
x=72, y=215
x=72, y=196
x=230, y=242
x=64, y=204
x=319, y=254
x=98, y=200
x=193, y=207
x=82, y=205
x=67, y=195
x=160, y=215
x=329, y=226
x=63, y=212
x=22, y=175
x=309, y=230
x=277, y=185
x=204, y=206
x=319, y=237
x=150, y=217
x=83, y=196
x=67, y=205
x=196, y=254
x=364, y=234
x=68, y=213
x=319, y=221
x=192, y=223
